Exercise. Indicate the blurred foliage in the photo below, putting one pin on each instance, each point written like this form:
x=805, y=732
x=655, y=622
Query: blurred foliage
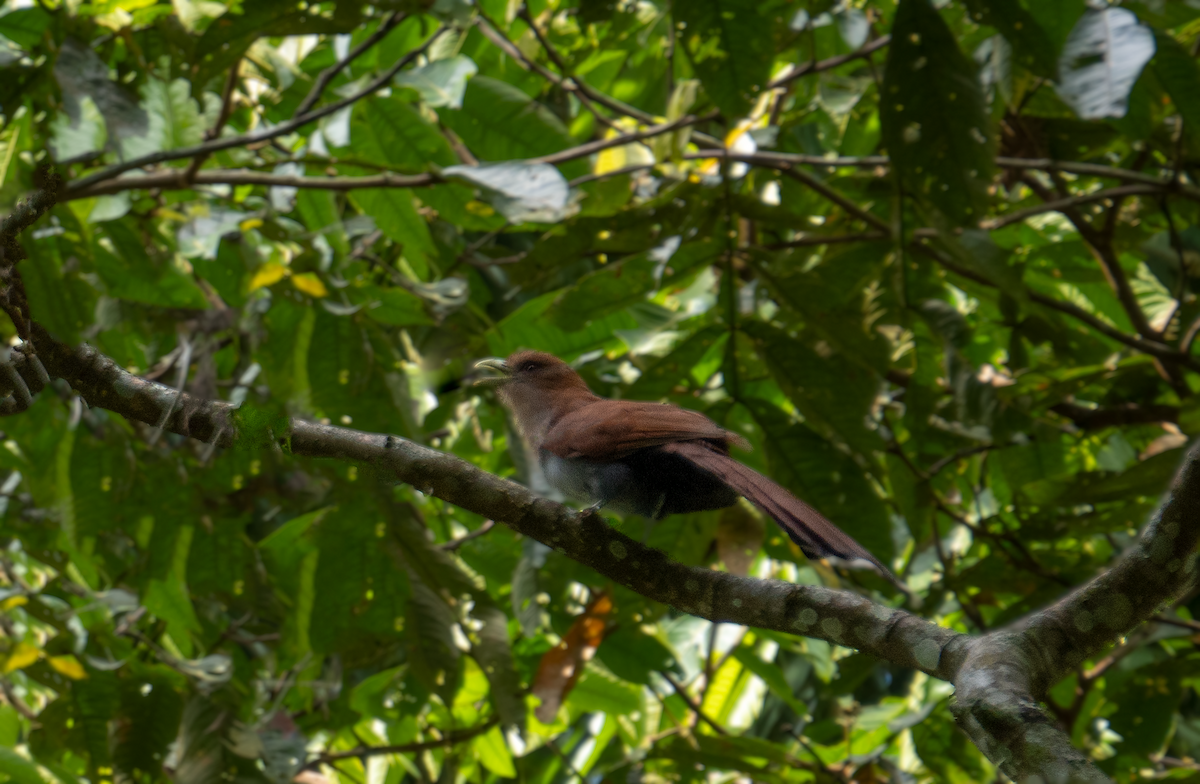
x=173, y=611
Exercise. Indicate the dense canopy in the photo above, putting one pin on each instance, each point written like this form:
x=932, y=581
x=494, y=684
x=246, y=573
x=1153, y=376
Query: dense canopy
x=937, y=262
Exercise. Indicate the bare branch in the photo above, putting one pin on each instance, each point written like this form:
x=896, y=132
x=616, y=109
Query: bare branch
x=832, y=62
x=325, y=77
x=172, y=179
x=1152, y=347
x=1130, y=414
x=808, y=240
x=449, y=739
x=266, y=134
x=1061, y=205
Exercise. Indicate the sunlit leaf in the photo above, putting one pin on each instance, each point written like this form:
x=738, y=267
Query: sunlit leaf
x=308, y=282
x=1101, y=60
x=22, y=655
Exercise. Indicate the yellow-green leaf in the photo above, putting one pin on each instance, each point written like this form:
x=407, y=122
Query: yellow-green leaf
x=310, y=284
x=493, y=753
x=267, y=274
x=69, y=666
x=14, y=601
x=21, y=656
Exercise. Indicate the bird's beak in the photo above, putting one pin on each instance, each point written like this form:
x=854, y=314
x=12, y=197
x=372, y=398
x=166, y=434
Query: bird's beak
x=494, y=364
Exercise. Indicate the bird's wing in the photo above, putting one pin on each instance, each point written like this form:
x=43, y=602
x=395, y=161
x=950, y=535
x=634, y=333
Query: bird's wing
x=807, y=527
x=612, y=429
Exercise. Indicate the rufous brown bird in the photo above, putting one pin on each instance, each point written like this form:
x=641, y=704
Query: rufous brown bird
x=648, y=459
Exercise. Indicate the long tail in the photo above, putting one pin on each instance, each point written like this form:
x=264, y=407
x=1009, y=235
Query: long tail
x=807, y=527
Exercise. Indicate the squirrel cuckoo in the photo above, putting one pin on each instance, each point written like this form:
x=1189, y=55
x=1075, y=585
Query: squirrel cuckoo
x=648, y=459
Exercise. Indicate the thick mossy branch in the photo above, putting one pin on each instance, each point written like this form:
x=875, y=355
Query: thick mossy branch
x=999, y=677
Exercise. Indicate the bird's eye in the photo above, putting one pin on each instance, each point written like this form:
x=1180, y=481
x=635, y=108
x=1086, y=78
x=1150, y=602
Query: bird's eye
x=530, y=367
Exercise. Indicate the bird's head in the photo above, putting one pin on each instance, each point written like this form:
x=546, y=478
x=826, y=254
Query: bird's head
x=530, y=370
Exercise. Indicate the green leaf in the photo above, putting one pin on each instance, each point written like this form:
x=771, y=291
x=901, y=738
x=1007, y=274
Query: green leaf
x=495, y=657
x=394, y=306
x=626, y=282
x=25, y=26
x=633, y=655
x=1180, y=76
x=1057, y=19
x=728, y=43
x=1101, y=60
x=527, y=328
x=398, y=219
x=151, y=709
x=521, y=192
x=493, y=753
x=442, y=82
x=597, y=691
x=322, y=215
x=391, y=131
x=935, y=122
x=131, y=274
x=231, y=34
x=168, y=597
x=174, y=119
x=18, y=769
x=86, y=135
x=498, y=122
x=1035, y=49
x=832, y=392
x=772, y=676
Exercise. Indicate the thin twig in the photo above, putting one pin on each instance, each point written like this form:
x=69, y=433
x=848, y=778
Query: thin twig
x=1103, y=251
x=454, y=544
x=184, y=362
x=808, y=240
x=1152, y=347
x=832, y=62
x=1059, y=205
x=449, y=739
x=170, y=178
x=1182, y=623
x=582, y=91
x=328, y=75
x=959, y=455
x=683, y=695
x=264, y=135
x=829, y=193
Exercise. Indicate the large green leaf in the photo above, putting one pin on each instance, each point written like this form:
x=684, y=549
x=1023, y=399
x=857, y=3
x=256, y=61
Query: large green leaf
x=729, y=45
x=935, y=123
x=1180, y=76
x=498, y=122
x=1035, y=49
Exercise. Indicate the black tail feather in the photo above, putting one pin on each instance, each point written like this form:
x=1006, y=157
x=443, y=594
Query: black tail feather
x=808, y=528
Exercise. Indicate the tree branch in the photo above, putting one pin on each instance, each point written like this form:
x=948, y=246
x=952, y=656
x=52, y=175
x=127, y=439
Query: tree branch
x=833, y=62
x=325, y=77
x=1061, y=205
x=1129, y=414
x=833, y=615
x=1102, y=249
x=174, y=179
x=1151, y=347
x=999, y=676
x=229, y=142
x=449, y=739
x=996, y=703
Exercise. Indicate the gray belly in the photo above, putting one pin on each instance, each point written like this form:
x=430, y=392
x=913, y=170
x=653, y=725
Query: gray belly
x=587, y=482
x=650, y=483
